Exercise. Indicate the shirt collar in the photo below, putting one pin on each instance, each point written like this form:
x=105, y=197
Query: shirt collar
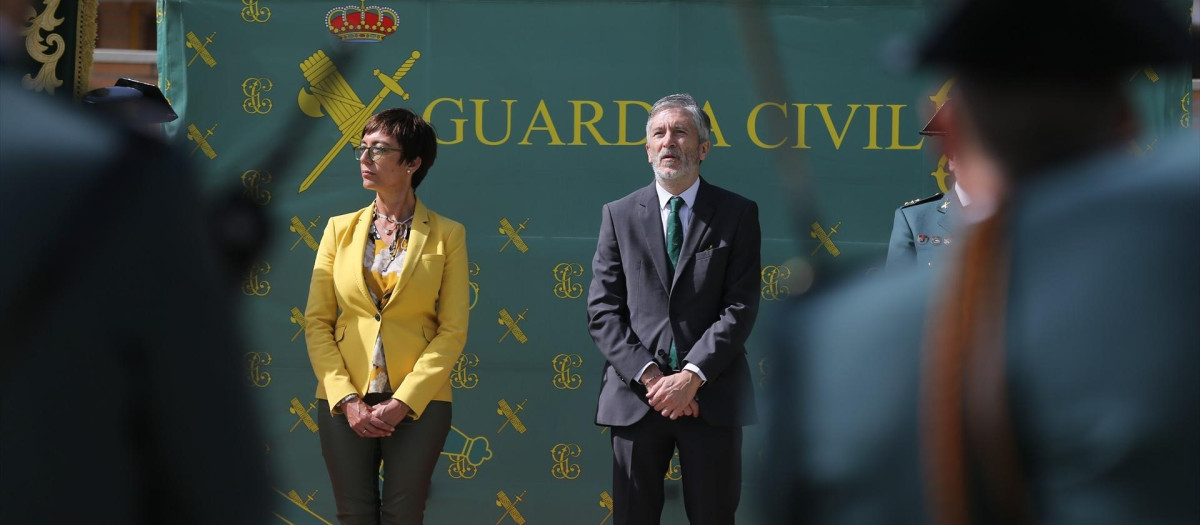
x=963, y=198
x=688, y=195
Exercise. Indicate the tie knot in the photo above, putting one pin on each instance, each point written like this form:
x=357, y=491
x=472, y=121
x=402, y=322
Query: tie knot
x=675, y=203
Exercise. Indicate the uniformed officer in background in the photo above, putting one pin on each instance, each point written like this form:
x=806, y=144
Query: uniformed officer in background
x=924, y=229
x=1049, y=374
x=923, y=226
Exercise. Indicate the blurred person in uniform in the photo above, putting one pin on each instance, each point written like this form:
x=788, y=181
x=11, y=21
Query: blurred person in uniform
x=121, y=392
x=1050, y=374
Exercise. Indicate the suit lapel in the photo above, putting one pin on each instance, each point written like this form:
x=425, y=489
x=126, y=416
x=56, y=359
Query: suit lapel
x=416, y=244
x=358, y=247
x=702, y=211
x=652, y=227
x=947, y=211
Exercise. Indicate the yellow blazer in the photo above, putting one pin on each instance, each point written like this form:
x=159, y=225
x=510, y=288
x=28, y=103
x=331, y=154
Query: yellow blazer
x=424, y=323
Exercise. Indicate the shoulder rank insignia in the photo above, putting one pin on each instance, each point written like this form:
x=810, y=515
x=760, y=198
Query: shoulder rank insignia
x=931, y=198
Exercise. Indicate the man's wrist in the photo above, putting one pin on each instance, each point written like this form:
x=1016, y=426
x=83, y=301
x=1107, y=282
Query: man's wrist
x=651, y=375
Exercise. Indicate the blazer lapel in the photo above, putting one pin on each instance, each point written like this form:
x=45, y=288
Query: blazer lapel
x=358, y=247
x=652, y=227
x=416, y=245
x=702, y=211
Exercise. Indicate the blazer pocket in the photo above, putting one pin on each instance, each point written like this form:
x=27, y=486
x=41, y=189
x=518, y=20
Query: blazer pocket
x=339, y=332
x=709, y=253
x=429, y=333
x=432, y=265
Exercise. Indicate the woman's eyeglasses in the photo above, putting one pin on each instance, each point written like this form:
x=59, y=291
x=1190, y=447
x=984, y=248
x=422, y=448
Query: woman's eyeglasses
x=373, y=152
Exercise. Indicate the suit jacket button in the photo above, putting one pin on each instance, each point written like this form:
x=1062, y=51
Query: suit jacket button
x=376, y=317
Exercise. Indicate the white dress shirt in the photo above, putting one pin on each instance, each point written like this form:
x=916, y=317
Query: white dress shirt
x=685, y=217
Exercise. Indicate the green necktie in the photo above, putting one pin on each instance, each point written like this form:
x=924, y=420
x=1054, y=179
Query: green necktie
x=674, y=245
x=674, y=232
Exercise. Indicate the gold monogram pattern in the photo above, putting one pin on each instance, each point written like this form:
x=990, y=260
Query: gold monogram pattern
x=564, y=287
x=461, y=375
x=940, y=174
x=253, y=182
x=563, y=365
x=942, y=95
x=563, y=467
x=253, y=89
x=465, y=453
x=255, y=285
x=772, y=276
x=473, y=271
x=253, y=13
x=674, y=473
x=256, y=362
x=1185, y=106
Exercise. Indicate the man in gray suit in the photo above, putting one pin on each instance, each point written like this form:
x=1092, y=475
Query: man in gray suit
x=673, y=298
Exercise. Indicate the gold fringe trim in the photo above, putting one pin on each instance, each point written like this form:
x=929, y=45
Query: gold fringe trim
x=85, y=44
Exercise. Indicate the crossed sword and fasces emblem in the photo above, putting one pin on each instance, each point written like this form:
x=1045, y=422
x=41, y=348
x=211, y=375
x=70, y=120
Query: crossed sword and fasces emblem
x=510, y=507
x=510, y=415
x=329, y=93
x=512, y=324
x=823, y=239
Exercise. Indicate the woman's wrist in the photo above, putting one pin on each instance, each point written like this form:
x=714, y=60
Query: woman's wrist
x=349, y=398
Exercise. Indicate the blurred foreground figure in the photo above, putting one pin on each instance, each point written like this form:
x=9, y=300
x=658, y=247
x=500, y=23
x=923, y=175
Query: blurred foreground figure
x=121, y=399
x=1052, y=377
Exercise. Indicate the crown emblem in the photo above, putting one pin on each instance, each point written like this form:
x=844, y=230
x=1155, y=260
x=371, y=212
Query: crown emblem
x=361, y=23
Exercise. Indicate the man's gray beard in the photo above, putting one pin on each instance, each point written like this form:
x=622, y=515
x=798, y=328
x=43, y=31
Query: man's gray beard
x=666, y=175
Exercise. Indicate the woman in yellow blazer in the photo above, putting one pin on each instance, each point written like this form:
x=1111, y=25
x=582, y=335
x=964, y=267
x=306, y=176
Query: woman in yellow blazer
x=386, y=321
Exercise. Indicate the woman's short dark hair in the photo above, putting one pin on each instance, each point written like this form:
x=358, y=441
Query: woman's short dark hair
x=416, y=137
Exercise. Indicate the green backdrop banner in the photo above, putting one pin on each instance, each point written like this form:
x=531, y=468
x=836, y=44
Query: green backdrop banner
x=541, y=108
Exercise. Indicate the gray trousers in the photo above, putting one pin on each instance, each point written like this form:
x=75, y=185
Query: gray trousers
x=353, y=463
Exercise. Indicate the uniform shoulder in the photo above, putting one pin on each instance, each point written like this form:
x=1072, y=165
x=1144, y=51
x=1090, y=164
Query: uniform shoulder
x=932, y=198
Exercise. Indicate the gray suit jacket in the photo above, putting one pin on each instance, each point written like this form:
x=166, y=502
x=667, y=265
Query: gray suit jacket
x=636, y=308
x=923, y=231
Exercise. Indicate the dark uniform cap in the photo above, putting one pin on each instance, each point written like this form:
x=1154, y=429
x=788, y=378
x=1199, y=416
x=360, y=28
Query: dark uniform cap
x=136, y=102
x=1070, y=39
x=939, y=123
